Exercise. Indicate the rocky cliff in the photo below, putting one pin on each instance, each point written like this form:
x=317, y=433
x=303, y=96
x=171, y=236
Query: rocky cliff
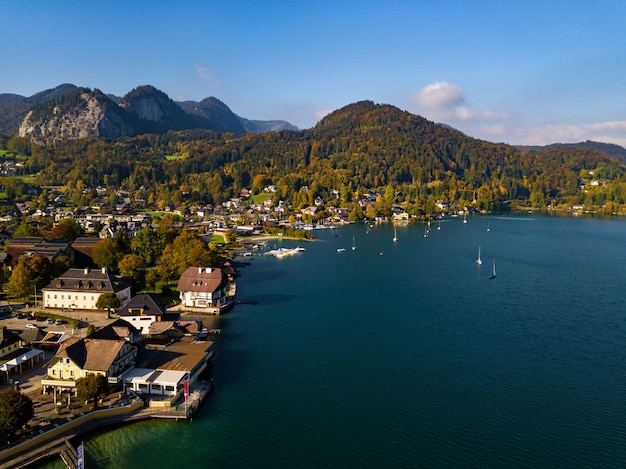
x=78, y=114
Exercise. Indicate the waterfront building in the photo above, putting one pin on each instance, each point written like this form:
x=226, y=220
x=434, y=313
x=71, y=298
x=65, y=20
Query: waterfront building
x=202, y=288
x=79, y=357
x=81, y=288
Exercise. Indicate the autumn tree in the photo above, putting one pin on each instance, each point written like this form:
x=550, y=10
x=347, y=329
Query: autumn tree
x=31, y=271
x=16, y=409
x=187, y=250
x=67, y=229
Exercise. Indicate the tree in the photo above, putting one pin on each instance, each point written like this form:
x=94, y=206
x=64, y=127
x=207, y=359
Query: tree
x=230, y=236
x=132, y=267
x=16, y=409
x=20, y=284
x=93, y=387
x=107, y=253
x=108, y=301
x=39, y=268
x=67, y=229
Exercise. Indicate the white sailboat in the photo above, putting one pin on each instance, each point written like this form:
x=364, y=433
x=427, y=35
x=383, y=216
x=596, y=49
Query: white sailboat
x=464, y=217
x=353, y=244
x=395, y=234
x=479, y=260
x=493, y=274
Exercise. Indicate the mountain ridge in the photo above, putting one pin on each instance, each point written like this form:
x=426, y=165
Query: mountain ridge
x=153, y=110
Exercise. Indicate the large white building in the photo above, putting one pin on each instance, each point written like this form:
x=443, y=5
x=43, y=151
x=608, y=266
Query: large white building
x=81, y=288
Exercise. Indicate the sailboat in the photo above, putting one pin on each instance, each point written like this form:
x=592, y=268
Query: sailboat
x=479, y=260
x=353, y=244
x=493, y=274
x=464, y=217
x=426, y=231
x=395, y=234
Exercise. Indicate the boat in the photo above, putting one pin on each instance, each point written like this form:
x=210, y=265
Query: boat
x=464, y=217
x=382, y=253
x=395, y=234
x=341, y=249
x=353, y=244
x=488, y=227
x=426, y=231
x=479, y=260
x=493, y=274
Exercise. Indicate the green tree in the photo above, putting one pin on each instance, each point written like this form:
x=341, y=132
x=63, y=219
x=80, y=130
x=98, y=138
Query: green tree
x=133, y=268
x=16, y=409
x=93, y=387
x=25, y=230
x=148, y=244
x=230, y=236
x=107, y=253
x=108, y=301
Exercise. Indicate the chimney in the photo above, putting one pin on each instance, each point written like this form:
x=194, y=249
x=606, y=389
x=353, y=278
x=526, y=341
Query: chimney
x=86, y=271
x=104, y=269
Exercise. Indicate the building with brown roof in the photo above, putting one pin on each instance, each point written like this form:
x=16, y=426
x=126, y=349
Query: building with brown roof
x=81, y=288
x=202, y=287
x=79, y=357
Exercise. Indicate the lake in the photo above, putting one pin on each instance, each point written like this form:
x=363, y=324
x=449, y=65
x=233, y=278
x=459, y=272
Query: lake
x=405, y=354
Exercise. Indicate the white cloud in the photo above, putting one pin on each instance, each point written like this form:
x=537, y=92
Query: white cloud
x=206, y=76
x=607, y=132
x=444, y=102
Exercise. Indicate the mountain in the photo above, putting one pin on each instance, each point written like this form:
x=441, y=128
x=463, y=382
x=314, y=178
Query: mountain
x=608, y=149
x=215, y=114
x=14, y=107
x=257, y=126
x=148, y=110
x=77, y=114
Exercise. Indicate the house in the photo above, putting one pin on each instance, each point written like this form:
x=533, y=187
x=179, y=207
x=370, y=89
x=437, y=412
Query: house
x=143, y=310
x=202, y=288
x=9, y=342
x=81, y=288
x=119, y=329
x=79, y=357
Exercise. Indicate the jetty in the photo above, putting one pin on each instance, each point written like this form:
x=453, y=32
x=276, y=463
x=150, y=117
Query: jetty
x=56, y=441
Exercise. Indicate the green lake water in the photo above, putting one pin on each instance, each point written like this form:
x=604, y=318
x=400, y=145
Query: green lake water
x=414, y=358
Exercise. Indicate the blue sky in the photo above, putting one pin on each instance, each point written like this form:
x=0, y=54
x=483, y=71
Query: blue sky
x=531, y=72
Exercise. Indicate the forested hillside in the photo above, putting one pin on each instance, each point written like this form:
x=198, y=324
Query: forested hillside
x=361, y=147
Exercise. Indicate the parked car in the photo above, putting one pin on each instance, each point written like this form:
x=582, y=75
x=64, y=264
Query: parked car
x=49, y=321
x=20, y=316
x=58, y=322
x=31, y=326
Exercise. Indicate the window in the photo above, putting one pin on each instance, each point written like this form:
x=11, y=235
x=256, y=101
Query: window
x=169, y=388
x=156, y=387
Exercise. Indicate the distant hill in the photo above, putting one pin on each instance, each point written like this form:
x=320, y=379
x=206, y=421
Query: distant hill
x=215, y=114
x=257, y=126
x=150, y=111
x=608, y=149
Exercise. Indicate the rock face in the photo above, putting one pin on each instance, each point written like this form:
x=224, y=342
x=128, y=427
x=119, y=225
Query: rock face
x=78, y=114
x=67, y=112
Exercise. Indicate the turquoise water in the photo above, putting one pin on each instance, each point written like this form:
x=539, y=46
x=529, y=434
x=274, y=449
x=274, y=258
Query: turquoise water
x=414, y=358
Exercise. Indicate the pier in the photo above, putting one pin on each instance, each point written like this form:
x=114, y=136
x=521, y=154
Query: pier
x=56, y=442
